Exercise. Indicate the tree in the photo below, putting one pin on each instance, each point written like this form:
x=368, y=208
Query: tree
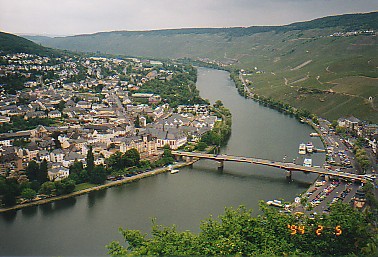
x=64, y=186
x=10, y=190
x=201, y=146
x=60, y=106
x=131, y=158
x=76, y=167
x=137, y=122
x=28, y=194
x=218, y=103
x=90, y=160
x=115, y=161
x=47, y=188
x=98, y=175
x=42, y=176
x=32, y=170
x=238, y=232
x=55, y=136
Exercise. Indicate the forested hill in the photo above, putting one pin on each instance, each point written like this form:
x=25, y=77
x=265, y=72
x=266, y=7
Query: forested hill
x=123, y=42
x=10, y=43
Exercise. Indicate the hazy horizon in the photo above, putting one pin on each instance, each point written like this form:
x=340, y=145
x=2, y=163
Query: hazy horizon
x=70, y=17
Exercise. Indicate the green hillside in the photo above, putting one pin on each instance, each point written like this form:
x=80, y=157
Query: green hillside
x=300, y=63
x=10, y=43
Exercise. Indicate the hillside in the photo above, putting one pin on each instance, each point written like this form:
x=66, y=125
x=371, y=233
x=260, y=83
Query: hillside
x=10, y=43
x=300, y=63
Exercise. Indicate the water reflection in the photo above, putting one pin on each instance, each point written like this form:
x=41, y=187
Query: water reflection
x=46, y=208
x=29, y=211
x=94, y=196
x=65, y=204
x=9, y=216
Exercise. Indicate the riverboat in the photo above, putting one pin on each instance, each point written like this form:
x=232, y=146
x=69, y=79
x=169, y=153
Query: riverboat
x=309, y=147
x=307, y=162
x=173, y=171
x=276, y=203
x=302, y=149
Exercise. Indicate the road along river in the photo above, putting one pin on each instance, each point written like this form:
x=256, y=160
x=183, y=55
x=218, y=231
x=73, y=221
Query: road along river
x=85, y=224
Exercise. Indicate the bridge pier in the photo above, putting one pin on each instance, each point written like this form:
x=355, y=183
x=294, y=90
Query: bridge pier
x=189, y=159
x=178, y=158
x=288, y=175
x=220, y=165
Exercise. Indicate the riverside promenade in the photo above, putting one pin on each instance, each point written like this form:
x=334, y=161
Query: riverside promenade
x=99, y=187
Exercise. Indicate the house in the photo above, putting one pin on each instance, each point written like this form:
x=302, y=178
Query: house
x=39, y=132
x=36, y=114
x=57, y=155
x=197, y=109
x=44, y=155
x=4, y=119
x=144, y=144
x=5, y=142
x=54, y=114
x=154, y=99
x=172, y=137
x=71, y=157
x=32, y=151
x=84, y=105
x=9, y=160
x=142, y=97
x=58, y=173
x=370, y=130
x=158, y=112
x=352, y=123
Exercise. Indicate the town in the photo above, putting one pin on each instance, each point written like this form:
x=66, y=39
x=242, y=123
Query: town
x=60, y=108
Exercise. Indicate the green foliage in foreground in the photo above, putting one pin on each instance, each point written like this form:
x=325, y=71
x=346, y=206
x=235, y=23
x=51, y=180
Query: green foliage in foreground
x=237, y=232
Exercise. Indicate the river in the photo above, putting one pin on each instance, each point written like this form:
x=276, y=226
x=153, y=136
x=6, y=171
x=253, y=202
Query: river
x=85, y=224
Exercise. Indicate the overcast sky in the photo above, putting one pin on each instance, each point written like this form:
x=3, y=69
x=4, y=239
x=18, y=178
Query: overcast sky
x=70, y=17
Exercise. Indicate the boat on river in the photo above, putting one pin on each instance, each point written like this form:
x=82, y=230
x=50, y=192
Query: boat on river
x=276, y=203
x=309, y=147
x=307, y=162
x=302, y=149
x=172, y=170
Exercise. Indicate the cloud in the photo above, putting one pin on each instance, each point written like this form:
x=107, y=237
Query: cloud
x=89, y=16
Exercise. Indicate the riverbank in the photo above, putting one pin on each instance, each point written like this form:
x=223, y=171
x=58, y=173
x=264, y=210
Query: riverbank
x=97, y=188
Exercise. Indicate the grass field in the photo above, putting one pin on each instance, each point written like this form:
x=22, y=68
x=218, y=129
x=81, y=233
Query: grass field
x=83, y=186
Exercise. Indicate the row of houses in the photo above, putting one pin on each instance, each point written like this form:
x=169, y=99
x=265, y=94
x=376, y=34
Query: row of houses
x=361, y=129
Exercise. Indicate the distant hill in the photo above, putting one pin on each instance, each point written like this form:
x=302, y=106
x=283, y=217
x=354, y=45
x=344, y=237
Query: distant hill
x=10, y=43
x=319, y=65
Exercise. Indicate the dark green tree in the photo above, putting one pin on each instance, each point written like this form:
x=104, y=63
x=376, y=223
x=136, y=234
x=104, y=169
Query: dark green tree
x=47, y=188
x=42, y=176
x=115, y=161
x=137, y=122
x=28, y=194
x=64, y=186
x=60, y=106
x=32, y=170
x=238, y=232
x=201, y=146
x=98, y=176
x=90, y=160
x=76, y=167
x=10, y=190
x=131, y=158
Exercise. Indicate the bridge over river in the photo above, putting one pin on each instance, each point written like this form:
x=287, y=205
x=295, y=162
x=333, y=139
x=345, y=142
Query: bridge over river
x=289, y=167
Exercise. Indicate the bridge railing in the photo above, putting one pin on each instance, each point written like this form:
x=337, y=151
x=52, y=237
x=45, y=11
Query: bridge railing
x=282, y=165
